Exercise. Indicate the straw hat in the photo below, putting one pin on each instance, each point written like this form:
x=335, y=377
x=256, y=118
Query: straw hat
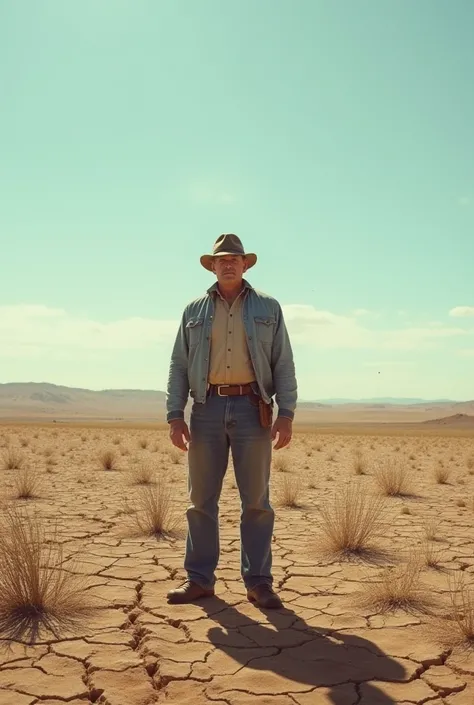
x=227, y=244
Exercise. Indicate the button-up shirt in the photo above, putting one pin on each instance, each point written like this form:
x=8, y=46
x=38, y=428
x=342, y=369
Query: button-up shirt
x=230, y=361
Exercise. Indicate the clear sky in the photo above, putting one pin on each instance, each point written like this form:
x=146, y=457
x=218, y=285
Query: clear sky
x=336, y=138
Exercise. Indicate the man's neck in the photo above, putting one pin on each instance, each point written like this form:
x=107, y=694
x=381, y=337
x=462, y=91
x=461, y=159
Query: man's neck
x=230, y=293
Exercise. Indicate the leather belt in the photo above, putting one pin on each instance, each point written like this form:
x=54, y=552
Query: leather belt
x=230, y=390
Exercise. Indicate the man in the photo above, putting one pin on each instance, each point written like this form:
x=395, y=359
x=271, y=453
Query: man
x=232, y=353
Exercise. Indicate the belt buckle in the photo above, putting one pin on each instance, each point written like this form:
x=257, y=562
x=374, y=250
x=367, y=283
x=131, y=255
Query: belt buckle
x=227, y=385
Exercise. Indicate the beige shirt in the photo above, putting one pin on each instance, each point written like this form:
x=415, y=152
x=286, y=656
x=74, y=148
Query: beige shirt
x=230, y=359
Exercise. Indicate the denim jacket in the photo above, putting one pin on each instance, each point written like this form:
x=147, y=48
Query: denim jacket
x=268, y=343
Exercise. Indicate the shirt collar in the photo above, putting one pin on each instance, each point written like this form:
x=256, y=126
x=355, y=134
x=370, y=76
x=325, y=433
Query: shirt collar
x=245, y=286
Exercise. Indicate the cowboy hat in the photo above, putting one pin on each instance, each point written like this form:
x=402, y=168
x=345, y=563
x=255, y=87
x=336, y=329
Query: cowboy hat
x=227, y=244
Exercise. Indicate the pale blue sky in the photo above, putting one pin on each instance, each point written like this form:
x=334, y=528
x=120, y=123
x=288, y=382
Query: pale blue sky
x=334, y=137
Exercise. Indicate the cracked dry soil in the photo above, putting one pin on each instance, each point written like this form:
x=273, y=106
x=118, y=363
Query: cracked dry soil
x=322, y=649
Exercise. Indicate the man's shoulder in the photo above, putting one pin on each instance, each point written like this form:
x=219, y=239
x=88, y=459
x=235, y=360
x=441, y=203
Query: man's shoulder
x=264, y=298
x=196, y=305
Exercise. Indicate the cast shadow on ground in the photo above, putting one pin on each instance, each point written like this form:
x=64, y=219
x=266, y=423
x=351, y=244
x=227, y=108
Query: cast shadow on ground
x=327, y=659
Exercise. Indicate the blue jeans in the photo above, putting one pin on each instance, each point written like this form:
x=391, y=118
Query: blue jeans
x=224, y=423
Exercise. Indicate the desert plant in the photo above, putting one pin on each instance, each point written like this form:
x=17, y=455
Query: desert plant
x=288, y=492
x=392, y=478
x=12, y=459
x=175, y=455
x=456, y=629
x=281, y=463
x=398, y=587
x=359, y=462
x=142, y=474
x=143, y=443
x=35, y=592
x=154, y=514
x=470, y=461
x=431, y=528
x=432, y=554
x=26, y=483
x=108, y=460
x=441, y=473
x=351, y=522
x=24, y=442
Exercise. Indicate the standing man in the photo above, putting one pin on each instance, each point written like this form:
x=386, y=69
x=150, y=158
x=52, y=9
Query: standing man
x=232, y=354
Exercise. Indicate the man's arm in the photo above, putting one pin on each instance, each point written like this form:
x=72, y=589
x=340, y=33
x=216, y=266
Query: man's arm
x=283, y=369
x=178, y=382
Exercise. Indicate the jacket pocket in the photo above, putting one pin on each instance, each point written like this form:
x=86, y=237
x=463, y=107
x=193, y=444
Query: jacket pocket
x=194, y=331
x=264, y=327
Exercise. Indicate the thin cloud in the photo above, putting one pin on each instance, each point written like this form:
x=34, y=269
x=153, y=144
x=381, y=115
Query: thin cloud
x=462, y=311
x=32, y=330
x=325, y=330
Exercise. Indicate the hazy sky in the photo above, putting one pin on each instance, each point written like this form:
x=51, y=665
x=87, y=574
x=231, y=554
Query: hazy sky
x=336, y=138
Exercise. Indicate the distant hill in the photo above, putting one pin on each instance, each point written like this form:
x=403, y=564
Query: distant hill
x=464, y=420
x=43, y=401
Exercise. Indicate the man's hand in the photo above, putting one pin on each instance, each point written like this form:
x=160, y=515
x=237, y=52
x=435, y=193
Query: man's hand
x=283, y=426
x=179, y=433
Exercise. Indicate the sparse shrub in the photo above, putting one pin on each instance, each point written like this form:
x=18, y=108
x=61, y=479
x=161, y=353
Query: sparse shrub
x=35, y=593
x=432, y=554
x=431, y=528
x=288, y=491
x=26, y=483
x=441, y=473
x=175, y=455
x=392, y=477
x=155, y=515
x=143, y=443
x=116, y=440
x=470, y=462
x=352, y=522
x=12, y=459
x=142, y=474
x=281, y=463
x=398, y=587
x=359, y=462
x=108, y=460
x=457, y=627
x=24, y=442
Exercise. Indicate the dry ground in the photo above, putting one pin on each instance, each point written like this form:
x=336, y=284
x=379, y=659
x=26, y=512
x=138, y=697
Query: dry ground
x=327, y=647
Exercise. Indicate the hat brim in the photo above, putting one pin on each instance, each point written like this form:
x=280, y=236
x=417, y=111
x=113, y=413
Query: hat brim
x=206, y=260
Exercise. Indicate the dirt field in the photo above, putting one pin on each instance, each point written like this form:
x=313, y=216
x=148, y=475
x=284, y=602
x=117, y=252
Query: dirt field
x=333, y=644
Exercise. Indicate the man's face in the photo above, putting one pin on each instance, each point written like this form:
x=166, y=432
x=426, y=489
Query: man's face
x=229, y=268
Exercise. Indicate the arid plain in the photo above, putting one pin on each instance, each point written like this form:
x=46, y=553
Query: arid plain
x=373, y=557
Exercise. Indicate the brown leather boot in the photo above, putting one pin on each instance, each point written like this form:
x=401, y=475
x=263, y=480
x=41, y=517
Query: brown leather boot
x=189, y=591
x=264, y=596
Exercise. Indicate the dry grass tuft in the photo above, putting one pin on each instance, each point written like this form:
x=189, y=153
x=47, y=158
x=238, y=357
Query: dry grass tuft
x=393, y=478
x=108, y=460
x=398, y=588
x=431, y=528
x=351, y=522
x=175, y=455
x=359, y=463
x=143, y=443
x=154, y=514
x=12, y=459
x=281, y=463
x=288, y=492
x=142, y=474
x=432, y=554
x=456, y=629
x=35, y=593
x=27, y=484
x=470, y=462
x=441, y=474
